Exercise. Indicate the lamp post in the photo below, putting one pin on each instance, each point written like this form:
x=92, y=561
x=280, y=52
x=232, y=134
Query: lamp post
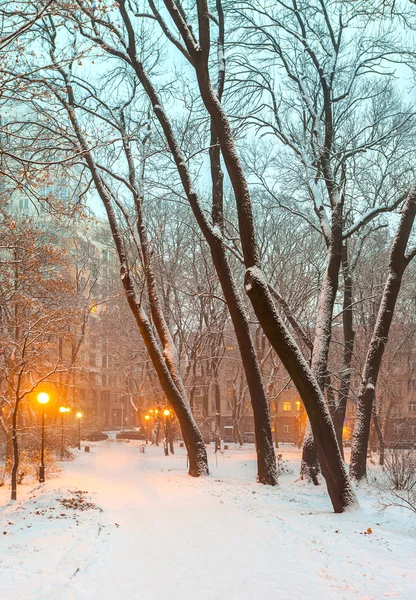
x=43, y=398
x=166, y=412
x=63, y=410
x=79, y=417
x=147, y=418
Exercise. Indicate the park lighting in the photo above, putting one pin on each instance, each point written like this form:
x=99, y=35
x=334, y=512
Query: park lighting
x=43, y=398
x=79, y=417
x=166, y=412
x=63, y=410
x=147, y=418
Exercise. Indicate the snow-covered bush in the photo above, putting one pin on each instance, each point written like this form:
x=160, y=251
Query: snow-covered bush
x=396, y=482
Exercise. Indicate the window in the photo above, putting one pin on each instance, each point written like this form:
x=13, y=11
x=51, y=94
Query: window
x=411, y=385
x=412, y=407
x=60, y=192
x=298, y=405
x=104, y=361
x=23, y=203
x=46, y=190
x=230, y=347
x=413, y=429
x=93, y=360
x=287, y=428
x=287, y=406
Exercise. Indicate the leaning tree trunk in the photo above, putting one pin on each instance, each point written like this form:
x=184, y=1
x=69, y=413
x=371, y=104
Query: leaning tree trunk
x=397, y=265
x=339, y=488
x=198, y=462
x=266, y=460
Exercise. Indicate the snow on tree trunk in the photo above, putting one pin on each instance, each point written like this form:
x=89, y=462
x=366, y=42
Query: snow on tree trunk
x=339, y=488
x=323, y=328
x=198, y=462
x=266, y=460
x=397, y=265
x=349, y=338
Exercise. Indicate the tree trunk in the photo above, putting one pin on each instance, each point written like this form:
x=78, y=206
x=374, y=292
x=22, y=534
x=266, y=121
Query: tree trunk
x=349, y=337
x=380, y=438
x=15, y=466
x=309, y=466
x=339, y=488
x=397, y=265
x=217, y=395
x=323, y=329
x=266, y=460
x=198, y=462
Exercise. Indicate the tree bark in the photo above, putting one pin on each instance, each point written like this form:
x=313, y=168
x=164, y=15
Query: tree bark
x=397, y=265
x=15, y=451
x=323, y=329
x=380, y=438
x=349, y=338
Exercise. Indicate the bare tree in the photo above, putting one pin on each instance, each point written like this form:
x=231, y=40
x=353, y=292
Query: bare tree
x=87, y=23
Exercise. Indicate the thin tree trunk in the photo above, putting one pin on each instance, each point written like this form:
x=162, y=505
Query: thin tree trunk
x=397, y=265
x=380, y=438
x=217, y=395
x=349, y=338
x=15, y=452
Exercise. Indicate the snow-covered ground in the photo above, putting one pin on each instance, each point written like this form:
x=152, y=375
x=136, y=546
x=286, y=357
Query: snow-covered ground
x=119, y=524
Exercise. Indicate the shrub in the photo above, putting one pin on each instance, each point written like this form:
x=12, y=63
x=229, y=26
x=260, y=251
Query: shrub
x=396, y=482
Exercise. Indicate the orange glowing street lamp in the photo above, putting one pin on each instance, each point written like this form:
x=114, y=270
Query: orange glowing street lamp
x=166, y=412
x=79, y=417
x=43, y=398
x=147, y=418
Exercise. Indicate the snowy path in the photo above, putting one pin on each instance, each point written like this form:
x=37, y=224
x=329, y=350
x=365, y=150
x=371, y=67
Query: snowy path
x=163, y=534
